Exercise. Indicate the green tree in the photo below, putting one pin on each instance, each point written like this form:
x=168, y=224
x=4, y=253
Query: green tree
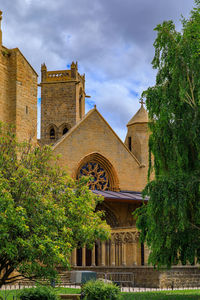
x=44, y=214
x=170, y=223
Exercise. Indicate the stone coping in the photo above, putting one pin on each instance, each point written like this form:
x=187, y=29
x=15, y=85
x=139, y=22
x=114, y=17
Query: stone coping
x=136, y=267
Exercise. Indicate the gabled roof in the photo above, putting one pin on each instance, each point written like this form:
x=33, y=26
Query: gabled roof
x=73, y=129
x=141, y=116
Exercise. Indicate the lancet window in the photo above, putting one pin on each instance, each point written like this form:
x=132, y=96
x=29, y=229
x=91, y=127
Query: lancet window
x=65, y=130
x=52, y=133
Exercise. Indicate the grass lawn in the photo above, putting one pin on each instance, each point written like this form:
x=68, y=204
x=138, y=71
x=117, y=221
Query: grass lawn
x=62, y=290
x=165, y=295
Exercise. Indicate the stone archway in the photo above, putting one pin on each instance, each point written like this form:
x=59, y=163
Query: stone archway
x=109, y=215
x=52, y=132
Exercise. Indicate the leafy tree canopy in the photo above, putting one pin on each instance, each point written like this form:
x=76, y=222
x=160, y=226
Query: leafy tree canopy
x=44, y=214
x=170, y=223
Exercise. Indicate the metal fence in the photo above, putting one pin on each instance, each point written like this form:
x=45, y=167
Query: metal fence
x=11, y=291
x=124, y=280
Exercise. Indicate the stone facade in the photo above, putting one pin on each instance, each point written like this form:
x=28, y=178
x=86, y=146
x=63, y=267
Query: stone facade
x=18, y=93
x=91, y=143
x=62, y=102
x=98, y=139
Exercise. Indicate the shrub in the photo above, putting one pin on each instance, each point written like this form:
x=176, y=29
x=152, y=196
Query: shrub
x=38, y=293
x=99, y=290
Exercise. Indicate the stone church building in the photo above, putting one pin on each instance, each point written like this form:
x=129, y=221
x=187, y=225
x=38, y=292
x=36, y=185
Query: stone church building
x=87, y=146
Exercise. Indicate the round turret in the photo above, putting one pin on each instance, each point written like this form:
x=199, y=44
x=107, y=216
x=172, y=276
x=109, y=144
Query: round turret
x=141, y=116
x=138, y=135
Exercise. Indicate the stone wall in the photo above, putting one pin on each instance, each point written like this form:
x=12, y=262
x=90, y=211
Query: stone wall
x=148, y=277
x=26, y=99
x=7, y=86
x=18, y=93
x=180, y=276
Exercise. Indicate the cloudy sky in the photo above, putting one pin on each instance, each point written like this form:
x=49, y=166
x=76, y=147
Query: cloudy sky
x=112, y=40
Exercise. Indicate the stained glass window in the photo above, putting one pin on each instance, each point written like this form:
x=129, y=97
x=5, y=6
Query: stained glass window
x=99, y=177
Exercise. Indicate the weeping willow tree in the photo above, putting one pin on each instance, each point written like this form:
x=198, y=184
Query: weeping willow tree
x=170, y=223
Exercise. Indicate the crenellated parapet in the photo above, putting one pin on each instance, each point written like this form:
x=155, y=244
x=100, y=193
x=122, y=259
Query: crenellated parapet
x=58, y=75
x=61, y=75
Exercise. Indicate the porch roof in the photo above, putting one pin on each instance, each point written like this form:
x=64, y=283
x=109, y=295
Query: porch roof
x=122, y=196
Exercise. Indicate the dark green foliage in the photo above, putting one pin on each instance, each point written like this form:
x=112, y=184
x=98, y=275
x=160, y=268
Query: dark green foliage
x=170, y=224
x=95, y=290
x=38, y=293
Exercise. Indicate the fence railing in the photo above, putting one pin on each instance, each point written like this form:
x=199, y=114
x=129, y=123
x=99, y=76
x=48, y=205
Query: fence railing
x=124, y=280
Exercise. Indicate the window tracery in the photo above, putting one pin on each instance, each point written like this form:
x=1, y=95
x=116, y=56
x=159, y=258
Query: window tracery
x=109, y=215
x=99, y=177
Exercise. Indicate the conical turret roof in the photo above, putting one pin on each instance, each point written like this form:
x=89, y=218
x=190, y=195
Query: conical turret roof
x=141, y=116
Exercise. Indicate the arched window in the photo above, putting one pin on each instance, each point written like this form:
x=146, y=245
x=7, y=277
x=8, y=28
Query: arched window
x=109, y=215
x=52, y=133
x=100, y=170
x=99, y=177
x=129, y=143
x=80, y=106
x=80, y=102
x=65, y=130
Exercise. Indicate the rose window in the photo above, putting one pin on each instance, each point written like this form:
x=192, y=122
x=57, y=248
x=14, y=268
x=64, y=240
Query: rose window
x=99, y=177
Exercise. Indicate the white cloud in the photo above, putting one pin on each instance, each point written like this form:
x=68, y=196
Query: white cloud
x=111, y=39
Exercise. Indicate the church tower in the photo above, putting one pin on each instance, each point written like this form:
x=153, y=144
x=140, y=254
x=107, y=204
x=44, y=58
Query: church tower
x=62, y=102
x=138, y=135
x=18, y=92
